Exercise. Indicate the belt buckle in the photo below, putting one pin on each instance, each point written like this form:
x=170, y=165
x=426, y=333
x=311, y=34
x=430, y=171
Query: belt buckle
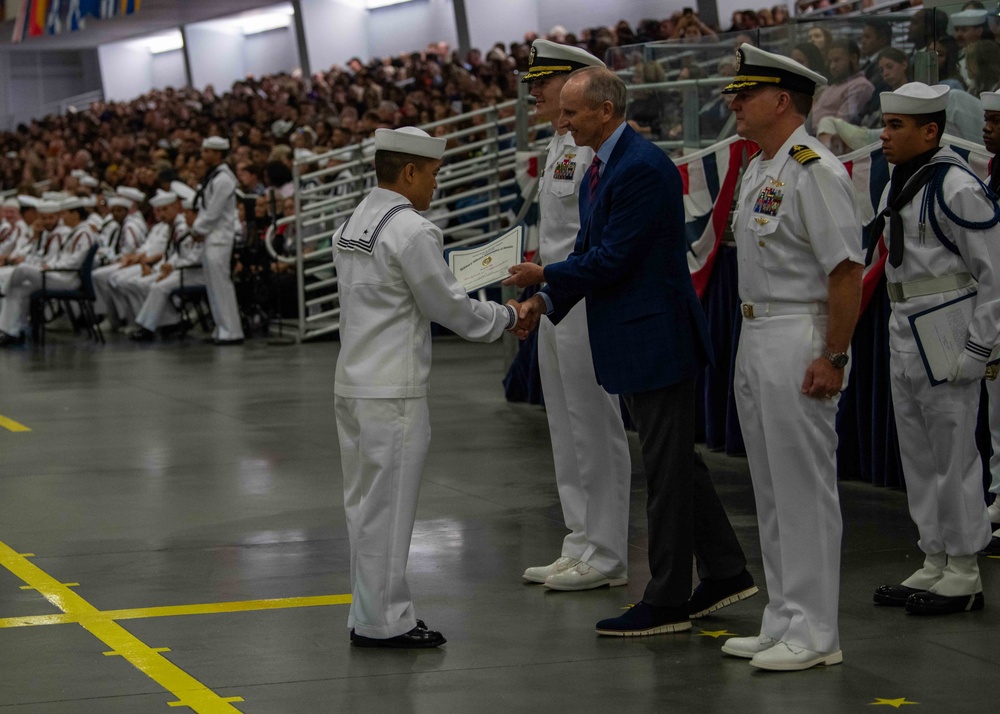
x=748, y=311
x=895, y=291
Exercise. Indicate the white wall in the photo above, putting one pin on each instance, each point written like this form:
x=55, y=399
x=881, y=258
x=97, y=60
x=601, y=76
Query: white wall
x=216, y=56
x=167, y=70
x=270, y=52
x=412, y=26
x=126, y=70
x=506, y=21
x=575, y=15
x=335, y=31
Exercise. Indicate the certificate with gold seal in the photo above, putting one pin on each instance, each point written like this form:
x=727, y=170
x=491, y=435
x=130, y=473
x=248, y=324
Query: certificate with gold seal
x=486, y=264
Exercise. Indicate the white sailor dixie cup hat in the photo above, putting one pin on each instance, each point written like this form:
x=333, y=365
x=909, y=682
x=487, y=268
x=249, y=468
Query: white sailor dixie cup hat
x=217, y=143
x=548, y=58
x=184, y=192
x=119, y=202
x=757, y=68
x=132, y=194
x=49, y=206
x=410, y=140
x=991, y=101
x=969, y=18
x=163, y=198
x=915, y=98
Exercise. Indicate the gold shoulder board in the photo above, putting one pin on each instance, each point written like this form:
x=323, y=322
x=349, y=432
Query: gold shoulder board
x=803, y=154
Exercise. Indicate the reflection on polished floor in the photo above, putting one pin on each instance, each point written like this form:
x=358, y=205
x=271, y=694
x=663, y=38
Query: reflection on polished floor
x=194, y=495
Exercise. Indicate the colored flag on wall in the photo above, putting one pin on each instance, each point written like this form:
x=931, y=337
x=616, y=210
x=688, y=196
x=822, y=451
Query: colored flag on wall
x=38, y=13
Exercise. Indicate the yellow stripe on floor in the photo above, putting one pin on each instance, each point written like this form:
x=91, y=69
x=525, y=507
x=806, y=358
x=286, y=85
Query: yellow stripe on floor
x=11, y=425
x=210, y=608
x=189, y=691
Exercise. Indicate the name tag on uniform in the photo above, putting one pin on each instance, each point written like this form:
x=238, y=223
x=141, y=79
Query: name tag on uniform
x=565, y=169
x=768, y=201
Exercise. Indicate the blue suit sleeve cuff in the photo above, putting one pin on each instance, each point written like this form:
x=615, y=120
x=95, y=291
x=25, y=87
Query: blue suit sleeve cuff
x=549, y=307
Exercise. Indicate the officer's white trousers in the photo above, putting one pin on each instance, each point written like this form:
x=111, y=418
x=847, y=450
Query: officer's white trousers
x=941, y=464
x=791, y=445
x=589, y=447
x=383, y=444
x=221, y=293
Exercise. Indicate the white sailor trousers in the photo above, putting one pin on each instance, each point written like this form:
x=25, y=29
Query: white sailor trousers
x=791, y=444
x=589, y=447
x=383, y=445
x=24, y=280
x=157, y=310
x=221, y=293
x=941, y=464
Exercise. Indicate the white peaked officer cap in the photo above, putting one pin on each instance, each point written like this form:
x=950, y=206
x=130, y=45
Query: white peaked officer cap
x=969, y=18
x=71, y=203
x=28, y=201
x=991, y=101
x=88, y=181
x=119, y=202
x=216, y=143
x=49, y=206
x=758, y=68
x=548, y=58
x=409, y=140
x=915, y=98
x=163, y=198
x=183, y=191
x=132, y=194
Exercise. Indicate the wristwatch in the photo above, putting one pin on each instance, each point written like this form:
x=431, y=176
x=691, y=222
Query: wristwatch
x=837, y=359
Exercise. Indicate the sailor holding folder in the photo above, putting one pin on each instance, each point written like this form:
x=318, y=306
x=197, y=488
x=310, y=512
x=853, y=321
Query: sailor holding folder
x=393, y=283
x=944, y=244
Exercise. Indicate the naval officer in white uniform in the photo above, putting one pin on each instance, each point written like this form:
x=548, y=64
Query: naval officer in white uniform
x=589, y=447
x=216, y=206
x=944, y=244
x=393, y=282
x=798, y=236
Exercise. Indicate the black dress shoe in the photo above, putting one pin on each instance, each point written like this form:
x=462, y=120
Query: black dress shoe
x=712, y=595
x=417, y=638
x=227, y=343
x=141, y=334
x=10, y=341
x=993, y=548
x=927, y=603
x=894, y=595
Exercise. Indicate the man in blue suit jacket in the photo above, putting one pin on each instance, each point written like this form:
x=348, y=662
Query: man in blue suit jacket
x=649, y=340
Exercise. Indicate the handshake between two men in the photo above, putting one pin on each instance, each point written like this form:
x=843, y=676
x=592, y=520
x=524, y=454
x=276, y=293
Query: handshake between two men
x=531, y=310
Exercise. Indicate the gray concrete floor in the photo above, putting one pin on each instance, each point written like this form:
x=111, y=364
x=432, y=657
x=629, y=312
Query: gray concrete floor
x=181, y=474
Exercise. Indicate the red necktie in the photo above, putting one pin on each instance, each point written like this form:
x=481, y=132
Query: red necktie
x=594, y=175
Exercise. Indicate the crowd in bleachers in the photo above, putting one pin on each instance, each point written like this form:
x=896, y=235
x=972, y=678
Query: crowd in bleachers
x=154, y=141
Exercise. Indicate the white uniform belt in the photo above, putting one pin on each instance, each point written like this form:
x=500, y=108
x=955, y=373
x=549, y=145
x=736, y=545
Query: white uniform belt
x=901, y=292
x=775, y=309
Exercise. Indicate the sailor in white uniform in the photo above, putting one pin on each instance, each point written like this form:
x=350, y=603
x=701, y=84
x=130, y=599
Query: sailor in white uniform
x=589, y=446
x=216, y=226
x=943, y=239
x=183, y=253
x=122, y=251
x=991, y=139
x=27, y=277
x=393, y=282
x=798, y=235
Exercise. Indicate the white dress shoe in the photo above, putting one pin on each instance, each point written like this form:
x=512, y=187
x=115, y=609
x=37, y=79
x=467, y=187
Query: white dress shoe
x=784, y=657
x=747, y=647
x=994, y=511
x=581, y=577
x=539, y=573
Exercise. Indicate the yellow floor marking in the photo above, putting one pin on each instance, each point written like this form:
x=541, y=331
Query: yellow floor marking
x=119, y=654
x=189, y=691
x=65, y=585
x=11, y=425
x=210, y=608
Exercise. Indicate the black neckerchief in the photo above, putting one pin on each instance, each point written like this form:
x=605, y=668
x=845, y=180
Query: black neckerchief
x=904, y=172
x=995, y=176
x=900, y=177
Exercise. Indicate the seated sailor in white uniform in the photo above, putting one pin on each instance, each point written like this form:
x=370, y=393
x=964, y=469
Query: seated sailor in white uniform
x=27, y=277
x=183, y=253
x=393, y=283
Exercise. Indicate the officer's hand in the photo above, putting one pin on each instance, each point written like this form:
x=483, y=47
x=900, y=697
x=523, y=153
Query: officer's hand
x=968, y=368
x=524, y=275
x=823, y=380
